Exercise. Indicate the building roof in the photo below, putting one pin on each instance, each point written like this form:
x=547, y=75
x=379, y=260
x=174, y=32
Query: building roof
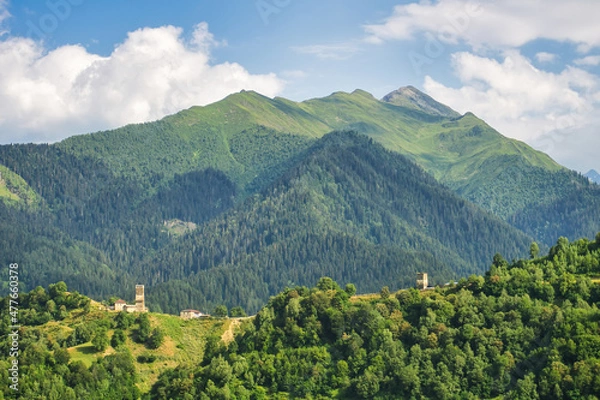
x=120, y=301
x=194, y=311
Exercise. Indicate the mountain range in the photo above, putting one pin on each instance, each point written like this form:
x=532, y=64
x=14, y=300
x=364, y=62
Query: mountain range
x=231, y=202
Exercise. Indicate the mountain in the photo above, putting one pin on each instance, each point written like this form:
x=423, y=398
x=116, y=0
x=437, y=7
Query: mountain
x=593, y=176
x=157, y=202
x=348, y=209
x=413, y=98
x=248, y=136
x=341, y=200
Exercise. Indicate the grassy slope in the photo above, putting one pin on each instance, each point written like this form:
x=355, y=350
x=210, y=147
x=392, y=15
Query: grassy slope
x=14, y=190
x=184, y=341
x=451, y=150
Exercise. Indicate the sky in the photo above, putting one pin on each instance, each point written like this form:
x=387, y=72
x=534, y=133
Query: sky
x=531, y=69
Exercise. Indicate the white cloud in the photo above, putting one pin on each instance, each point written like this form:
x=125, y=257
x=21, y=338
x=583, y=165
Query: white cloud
x=544, y=57
x=46, y=96
x=555, y=112
x=4, y=15
x=507, y=23
x=329, y=51
x=589, y=60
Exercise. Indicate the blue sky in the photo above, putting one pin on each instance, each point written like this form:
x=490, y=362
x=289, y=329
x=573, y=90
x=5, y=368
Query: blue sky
x=531, y=70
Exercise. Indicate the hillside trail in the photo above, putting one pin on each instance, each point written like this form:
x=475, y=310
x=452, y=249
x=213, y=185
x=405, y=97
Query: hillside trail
x=228, y=335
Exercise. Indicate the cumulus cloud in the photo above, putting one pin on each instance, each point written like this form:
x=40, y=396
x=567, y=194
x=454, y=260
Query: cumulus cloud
x=49, y=95
x=507, y=23
x=552, y=111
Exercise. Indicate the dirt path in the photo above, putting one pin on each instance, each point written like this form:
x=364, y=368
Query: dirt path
x=227, y=336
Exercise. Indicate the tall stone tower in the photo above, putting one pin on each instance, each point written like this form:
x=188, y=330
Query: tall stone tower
x=422, y=281
x=140, y=304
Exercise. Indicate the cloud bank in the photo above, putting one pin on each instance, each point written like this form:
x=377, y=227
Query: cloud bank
x=552, y=111
x=556, y=112
x=46, y=96
x=506, y=23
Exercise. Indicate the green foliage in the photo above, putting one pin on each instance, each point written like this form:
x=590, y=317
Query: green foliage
x=498, y=336
x=350, y=289
x=237, y=312
x=143, y=331
x=156, y=339
x=124, y=320
x=220, y=311
x=146, y=358
x=14, y=190
x=534, y=250
x=62, y=356
x=100, y=339
x=118, y=338
x=385, y=292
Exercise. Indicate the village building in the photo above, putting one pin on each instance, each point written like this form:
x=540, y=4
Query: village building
x=189, y=314
x=422, y=280
x=139, y=306
x=120, y=305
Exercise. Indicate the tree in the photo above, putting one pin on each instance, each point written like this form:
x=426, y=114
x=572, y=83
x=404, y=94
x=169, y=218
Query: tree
x=123, y=320
x=100, y=340
x=62, y=356
x=156, y=339
x=350, y=289
x=143, y=331
x=220, y=311
x=326, y=283
x=57, y=289
x=237, y=312
x=534, y=250
x=385, y=292
x=118, y=338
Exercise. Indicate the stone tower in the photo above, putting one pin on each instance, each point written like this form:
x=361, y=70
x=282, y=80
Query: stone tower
x=422, y=282
x=140, y=305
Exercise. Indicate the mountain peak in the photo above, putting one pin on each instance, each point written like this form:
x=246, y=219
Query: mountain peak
x=593, y=176
x=411, y=97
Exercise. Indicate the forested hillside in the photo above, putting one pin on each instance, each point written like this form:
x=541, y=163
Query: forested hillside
x=526, y=330
x=349, y=209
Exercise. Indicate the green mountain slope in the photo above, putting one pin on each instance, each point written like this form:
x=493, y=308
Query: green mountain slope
x=93, y=219
x=46, y=254
x=451, y=149
x=502, y=175
x=349, y=209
